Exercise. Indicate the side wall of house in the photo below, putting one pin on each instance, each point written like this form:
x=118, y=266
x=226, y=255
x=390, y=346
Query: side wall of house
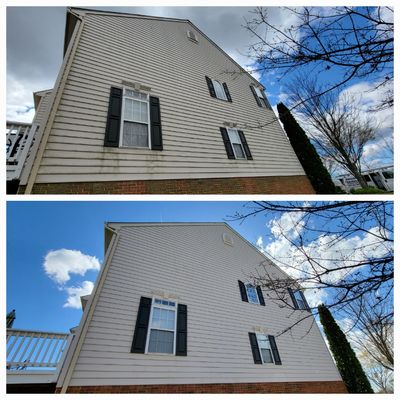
x=195, y=265
x=158, y=54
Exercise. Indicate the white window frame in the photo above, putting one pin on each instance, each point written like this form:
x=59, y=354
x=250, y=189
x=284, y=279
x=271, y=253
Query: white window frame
x=121, y=129
x=165, y=307
x=247, y=285
x=239, y=142
x=224, y=97
x=297, y=295
x=260, y=336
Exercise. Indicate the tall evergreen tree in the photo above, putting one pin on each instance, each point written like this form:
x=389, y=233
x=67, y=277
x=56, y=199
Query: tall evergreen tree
x=311, y=162
x=346, y=360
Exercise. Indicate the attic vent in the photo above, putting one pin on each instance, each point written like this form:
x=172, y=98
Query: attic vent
x=228, y=239
x=192, y=36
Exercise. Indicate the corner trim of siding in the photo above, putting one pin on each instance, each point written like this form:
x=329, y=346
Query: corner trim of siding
x=32, y=167
x=74, y=351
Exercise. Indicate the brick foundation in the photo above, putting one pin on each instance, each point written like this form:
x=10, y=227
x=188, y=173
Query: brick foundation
x=248, y=185
x=259, y=387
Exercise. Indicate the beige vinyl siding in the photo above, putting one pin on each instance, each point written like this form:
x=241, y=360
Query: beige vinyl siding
x=192, y=263
x=42, y=107
x=158, y=54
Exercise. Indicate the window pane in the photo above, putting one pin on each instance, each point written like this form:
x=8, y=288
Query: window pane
x=219, y=90
x=135, y=110
x=233, y=135
x=135, y=135
x=258, y=91
x=252, y=294
x=161, y=342
x=163, y=319
x=266, y=356
x=238, y=150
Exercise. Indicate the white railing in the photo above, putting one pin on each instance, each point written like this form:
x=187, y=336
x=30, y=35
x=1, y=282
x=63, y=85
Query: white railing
x=29, y=350
x=20, y=137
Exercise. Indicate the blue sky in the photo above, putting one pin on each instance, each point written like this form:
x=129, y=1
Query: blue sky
x=35, y=228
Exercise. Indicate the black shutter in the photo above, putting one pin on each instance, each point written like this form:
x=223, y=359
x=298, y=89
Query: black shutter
x=274, y=349
x=228, y=95
x=181, y=331
x=254, y=348
x=113, y=126
x=227, y=143
x=260, y=296
x=155, y=124
x=293, y=298
x=255, y=96
x=210, y=87
x=142, y=324
x=305, y=301
x=243, y=291
x=245, y=145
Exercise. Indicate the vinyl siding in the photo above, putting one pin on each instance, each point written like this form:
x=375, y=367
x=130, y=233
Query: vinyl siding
x=158, y=54
x=42, y=108
x=192, y=263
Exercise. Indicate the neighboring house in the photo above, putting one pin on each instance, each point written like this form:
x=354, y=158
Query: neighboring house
x=152, y=105
x=381, y=178
x=174, y=310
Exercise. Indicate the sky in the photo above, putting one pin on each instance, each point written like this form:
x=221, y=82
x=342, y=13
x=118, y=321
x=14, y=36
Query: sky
x=35, y=43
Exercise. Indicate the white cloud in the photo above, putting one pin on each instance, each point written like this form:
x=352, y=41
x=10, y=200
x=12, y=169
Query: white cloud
x=329, y=253
x=60, y=264
x=75, y=293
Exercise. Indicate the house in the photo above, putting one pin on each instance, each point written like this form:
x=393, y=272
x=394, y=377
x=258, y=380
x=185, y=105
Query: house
x=152, y=105
x=174, y=309
x=381, y=178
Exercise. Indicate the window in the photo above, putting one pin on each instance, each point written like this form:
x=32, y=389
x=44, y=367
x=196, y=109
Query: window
x=388, y=174
x=265, y=349
x=135, y=126
x=298, y=299
x=252, y=294
x=218, y=90
x=236, y=142
x=260, y=97
x=162, y=327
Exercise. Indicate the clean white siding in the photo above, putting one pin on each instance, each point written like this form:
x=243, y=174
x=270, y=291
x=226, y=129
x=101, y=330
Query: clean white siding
x=193, y=263
x=158, y=54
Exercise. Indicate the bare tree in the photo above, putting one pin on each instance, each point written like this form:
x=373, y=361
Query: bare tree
x=380, y=377
x=375, y=323
x=355, y=41
x=341, y=249
x=335, y=124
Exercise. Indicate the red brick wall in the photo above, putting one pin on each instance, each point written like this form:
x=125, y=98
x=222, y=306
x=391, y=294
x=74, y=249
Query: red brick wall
x=248, y=185
x=263, y=387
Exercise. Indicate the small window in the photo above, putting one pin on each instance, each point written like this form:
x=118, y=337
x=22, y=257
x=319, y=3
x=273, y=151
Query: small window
x=260, y=97
x=236, y=142
x=252, y=294
x=265, y=349
x=162, y=327
x=135, y=126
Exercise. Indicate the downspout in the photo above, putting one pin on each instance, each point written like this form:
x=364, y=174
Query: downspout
x=44, y=130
